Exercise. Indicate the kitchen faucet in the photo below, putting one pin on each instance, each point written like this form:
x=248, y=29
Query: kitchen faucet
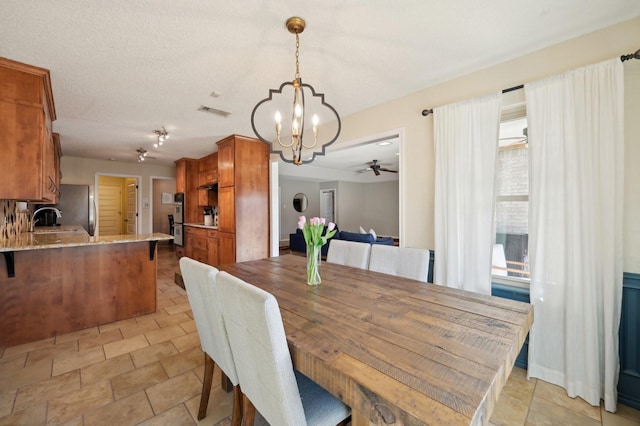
x=32, y=223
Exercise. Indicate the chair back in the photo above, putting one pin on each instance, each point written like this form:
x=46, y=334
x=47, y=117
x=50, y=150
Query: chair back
x=400, y=261
x=259, y=346
x=349, y=253
x=199, y=281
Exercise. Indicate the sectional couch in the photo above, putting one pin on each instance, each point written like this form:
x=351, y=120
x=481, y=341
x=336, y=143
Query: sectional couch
x=297, y=243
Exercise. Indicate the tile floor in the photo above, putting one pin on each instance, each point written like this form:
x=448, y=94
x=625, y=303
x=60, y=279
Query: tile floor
x=148, y=371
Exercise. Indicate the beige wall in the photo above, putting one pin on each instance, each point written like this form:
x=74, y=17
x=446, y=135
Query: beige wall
x=631, y=226
x=77, y=170
x=288, y=215
x=161, y=211
x=417, y=172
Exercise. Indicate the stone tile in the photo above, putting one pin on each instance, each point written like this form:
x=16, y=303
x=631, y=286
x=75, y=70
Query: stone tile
x=28, y=347
x=183, y=306
x=77, y=360
x=71, y=405
x=164, y=334
x=518, y=388
x=139, y=328
x=184, y=343
x=624, y=416
x=99, y=339
x=543, y=412
x=51, y=352
x=75, y=335
x=6, y=402
x=219, y=407
x=127, y=411
x=559, y=396
x=183, y=362
x=116, y=324
x=174, y=391
x=189, y=326
x=176, y=416
x=124, y=346
x=35, y=415
x=13, y=362
x=14, y=379
x=153, y=353
x=42, y=391
x=509, y=411
x=131, y=382
x=106, y=369
x=167, y=320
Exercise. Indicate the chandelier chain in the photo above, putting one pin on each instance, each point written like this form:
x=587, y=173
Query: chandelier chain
x=297, y=56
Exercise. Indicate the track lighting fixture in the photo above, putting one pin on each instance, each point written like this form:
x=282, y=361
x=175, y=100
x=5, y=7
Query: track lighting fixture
x=142, y=153
x=162, y=135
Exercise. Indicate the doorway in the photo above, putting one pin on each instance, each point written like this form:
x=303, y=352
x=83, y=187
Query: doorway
x=117, y=199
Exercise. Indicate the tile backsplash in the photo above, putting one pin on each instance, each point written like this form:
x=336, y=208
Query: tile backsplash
x=13, y=220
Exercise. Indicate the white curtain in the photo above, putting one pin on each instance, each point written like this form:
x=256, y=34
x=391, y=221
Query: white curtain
x=466, y=146
x=575, y=229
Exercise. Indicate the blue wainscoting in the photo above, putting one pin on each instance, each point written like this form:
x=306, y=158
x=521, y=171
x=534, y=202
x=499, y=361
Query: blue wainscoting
x=521, y=295
x=629, y=380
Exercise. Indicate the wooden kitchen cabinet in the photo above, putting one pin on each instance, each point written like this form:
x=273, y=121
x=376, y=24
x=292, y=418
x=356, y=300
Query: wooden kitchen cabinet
x=187, y=182
x=207, y=175
x=243, y=199
x=227, y=248
x=28, y=148
x=213, y=244
x=196, y=243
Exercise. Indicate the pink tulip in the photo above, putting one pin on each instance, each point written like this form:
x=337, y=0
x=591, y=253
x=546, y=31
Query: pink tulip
x=322, y=220
x=314, y=221
x=301, y=222
x=331, y=226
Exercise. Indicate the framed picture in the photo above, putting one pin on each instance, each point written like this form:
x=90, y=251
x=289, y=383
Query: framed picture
x=167, y=198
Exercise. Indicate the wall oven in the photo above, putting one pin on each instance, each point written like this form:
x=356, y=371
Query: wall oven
x=178, y=218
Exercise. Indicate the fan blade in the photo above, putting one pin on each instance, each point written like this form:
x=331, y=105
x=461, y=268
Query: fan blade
x=387, y=170
x=376, y=171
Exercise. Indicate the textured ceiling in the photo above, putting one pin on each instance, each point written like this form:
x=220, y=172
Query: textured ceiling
x=122, y=68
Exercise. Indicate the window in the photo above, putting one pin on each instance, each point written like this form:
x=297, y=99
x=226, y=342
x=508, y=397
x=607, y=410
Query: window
x=510, y=252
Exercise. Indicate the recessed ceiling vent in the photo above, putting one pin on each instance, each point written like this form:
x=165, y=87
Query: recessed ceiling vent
x=215, y=111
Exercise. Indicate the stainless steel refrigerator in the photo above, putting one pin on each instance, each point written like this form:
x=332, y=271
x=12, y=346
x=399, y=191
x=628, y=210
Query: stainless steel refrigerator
x=77, y=206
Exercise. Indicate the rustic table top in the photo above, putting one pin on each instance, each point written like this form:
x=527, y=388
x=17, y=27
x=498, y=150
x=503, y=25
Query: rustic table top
x=397, y=351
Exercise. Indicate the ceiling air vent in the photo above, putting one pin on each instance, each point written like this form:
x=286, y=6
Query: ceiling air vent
x=215, y=111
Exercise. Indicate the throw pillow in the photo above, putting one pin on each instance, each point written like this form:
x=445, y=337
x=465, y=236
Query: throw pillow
x=372, y=232
x=362, y=231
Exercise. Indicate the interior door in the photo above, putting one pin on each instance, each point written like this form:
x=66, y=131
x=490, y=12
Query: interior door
x=328, y=204
x=132, y=208
x=110, y=209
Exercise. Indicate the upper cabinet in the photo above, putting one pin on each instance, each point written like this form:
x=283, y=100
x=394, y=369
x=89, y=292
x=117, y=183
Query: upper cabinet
x=30, y=169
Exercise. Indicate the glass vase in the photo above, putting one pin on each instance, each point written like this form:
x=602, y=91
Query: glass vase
x=313, y=264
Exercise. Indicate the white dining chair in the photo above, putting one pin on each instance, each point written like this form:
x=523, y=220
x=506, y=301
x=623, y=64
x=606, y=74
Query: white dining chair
x=400, y=261
x=199, y=281
x=265, y=370
x=349, y=253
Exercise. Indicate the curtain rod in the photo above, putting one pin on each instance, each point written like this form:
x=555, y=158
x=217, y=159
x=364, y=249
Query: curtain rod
x=623, y=58
x=426, y=112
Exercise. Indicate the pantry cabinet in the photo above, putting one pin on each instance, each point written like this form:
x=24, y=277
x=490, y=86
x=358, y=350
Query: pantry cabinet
x=29, y=148
x=243, y=199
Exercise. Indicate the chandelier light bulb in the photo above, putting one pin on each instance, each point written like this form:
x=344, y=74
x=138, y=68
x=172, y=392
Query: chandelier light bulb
x=155, y=145
x=298, y=110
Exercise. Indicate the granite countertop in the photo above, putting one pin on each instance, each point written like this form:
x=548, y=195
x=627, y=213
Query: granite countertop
x=69, y=236
x=200, y=225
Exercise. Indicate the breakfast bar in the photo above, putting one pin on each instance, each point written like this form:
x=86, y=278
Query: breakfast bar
x=58, y=280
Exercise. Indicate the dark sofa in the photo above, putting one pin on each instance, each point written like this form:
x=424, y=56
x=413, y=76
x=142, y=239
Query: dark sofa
x=297, y=243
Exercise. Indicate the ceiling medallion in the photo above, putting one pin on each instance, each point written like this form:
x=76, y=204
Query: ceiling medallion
x=291, y=99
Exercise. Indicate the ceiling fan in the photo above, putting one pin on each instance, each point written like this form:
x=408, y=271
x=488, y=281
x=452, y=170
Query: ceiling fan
x=376, y=168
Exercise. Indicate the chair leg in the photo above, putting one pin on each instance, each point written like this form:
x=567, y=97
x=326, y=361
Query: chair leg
x=248, y=412
x=236, y=416
x=207, y=381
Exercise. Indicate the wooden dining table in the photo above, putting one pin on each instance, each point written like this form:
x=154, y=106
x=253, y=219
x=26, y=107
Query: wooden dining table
x=396, y=350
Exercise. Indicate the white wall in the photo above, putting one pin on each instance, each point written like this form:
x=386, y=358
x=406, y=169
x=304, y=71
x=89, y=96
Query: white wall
x=417, y=174
x=288, y=215
x=631, y=224
x=77, y=170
